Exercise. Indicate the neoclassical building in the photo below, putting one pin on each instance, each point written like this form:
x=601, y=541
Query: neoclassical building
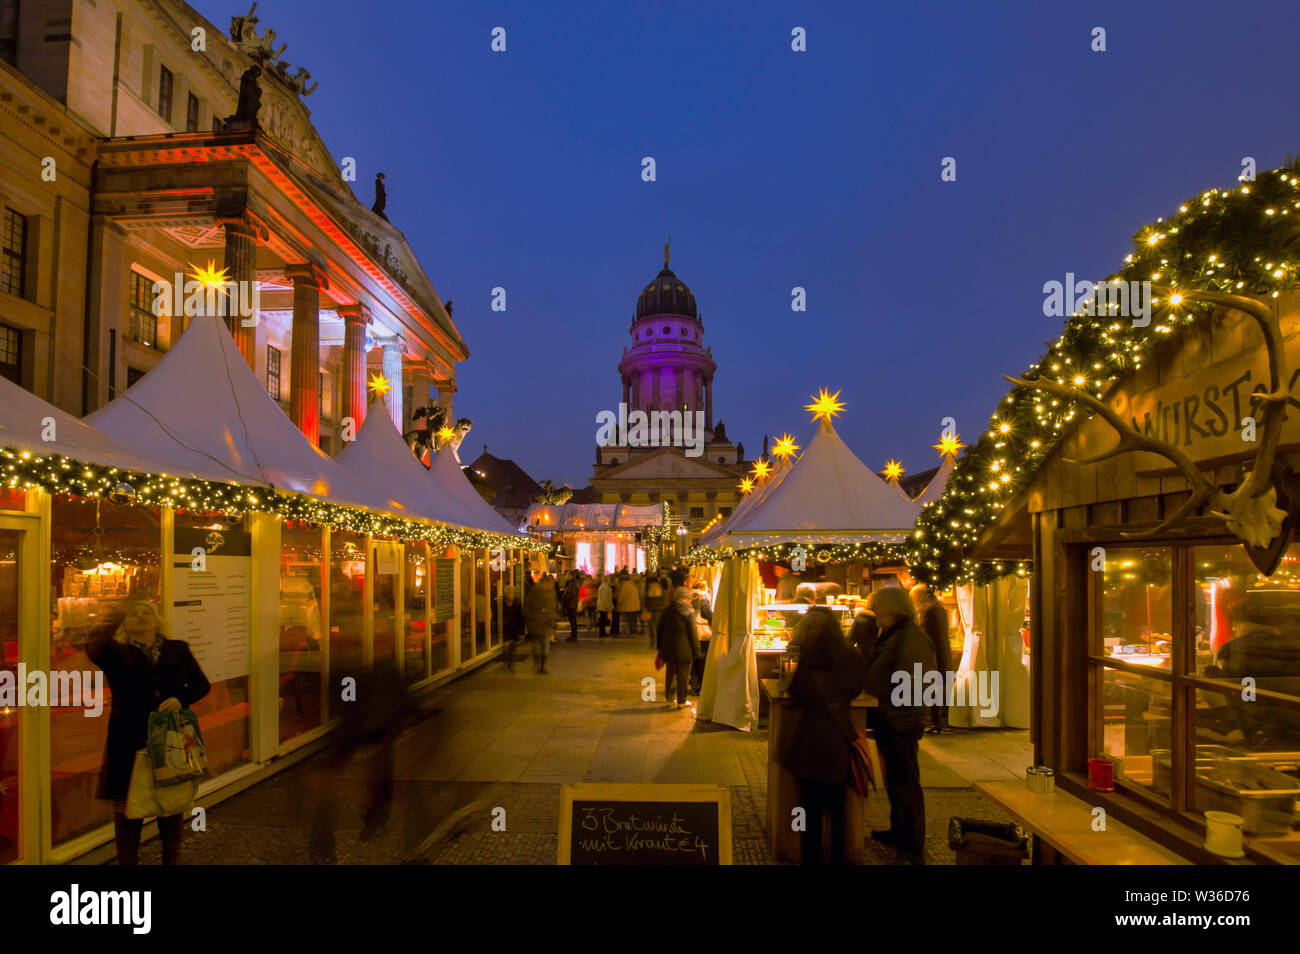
x=138, y=141
x=668, y=368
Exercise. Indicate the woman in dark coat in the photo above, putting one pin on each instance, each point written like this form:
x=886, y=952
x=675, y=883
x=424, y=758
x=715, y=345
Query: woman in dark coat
x=817, y=750
x=146, y=672
x=678, y=642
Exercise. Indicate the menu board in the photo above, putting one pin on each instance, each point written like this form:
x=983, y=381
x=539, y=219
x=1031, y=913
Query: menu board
x=210, y=606
x=444, y=590
x=645, y=825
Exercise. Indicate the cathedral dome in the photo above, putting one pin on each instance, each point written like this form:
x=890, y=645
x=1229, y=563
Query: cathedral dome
x=666, y=295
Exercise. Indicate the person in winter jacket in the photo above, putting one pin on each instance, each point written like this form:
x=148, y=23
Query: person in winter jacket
x=539, y=617
x=679, y=645
x=658, y=594
x=816, y=749
x=146, y=672
x=897, y=721
x=512, y=623
x=587, y=600
x=933, y=618
x=569, y=597
x=629, y=604
x=604, y=605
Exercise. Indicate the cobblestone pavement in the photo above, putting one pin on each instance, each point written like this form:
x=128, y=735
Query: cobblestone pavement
x=508, y=740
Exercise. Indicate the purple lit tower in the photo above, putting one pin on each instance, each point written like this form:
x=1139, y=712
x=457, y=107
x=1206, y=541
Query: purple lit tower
x=667, y=367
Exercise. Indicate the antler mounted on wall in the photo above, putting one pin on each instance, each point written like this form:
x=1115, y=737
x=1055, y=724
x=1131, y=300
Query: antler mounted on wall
x=1251, y=510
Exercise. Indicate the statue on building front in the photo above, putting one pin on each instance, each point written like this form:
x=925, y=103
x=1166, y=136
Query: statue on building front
x=260, y=46
x=250, y=101
x=431, y=432
x=298, y=82
x=381, y=197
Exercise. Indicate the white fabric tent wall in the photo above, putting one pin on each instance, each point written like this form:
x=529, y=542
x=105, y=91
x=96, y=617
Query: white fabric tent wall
x=992, y=615
x=730, y=692
x=472, y=510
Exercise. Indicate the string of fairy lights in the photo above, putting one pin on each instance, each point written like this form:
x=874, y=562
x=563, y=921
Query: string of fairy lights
x=56, y=474
x=1239, y=241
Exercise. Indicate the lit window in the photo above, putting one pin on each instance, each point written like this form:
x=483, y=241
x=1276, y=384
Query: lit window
x=142, y=323
x=14, y=259
x=165, y=93
x=191, y=113
x=11, y=354
x=273, y=372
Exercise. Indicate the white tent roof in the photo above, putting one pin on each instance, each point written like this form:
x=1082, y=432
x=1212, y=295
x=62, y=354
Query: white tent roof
x=471, y=509
x=203, y=410
x=748, y=503
x=593, y=517
x=23, y=427
x=827, y=496
x=934, y=489
x=379, y=457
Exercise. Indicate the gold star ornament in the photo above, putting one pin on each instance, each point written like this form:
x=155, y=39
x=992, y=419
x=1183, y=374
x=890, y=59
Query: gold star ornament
x=825, y=406
x=949, y=445
x=210, y=277
x=894, y=470
x=746, y=484
x=761, y=469
x=785, y=447
x=379, y=385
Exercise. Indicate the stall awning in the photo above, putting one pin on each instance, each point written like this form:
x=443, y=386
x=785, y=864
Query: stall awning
x=203, y=411
x=592, y=518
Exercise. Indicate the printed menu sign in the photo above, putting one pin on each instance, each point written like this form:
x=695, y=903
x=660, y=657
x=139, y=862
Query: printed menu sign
x=645, y=825
x=210, y=608
x=444, y=590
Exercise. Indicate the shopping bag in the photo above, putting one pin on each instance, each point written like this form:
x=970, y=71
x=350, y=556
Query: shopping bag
x=144, y=799
x=659, y=660
x=176, y=747
x=866, y=771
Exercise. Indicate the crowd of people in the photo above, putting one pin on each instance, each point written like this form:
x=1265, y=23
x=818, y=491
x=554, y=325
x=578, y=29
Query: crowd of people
x=894, y=634
x=623, y=603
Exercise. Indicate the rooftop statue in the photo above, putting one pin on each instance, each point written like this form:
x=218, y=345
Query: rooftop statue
x=250, y=100
x=260, y=46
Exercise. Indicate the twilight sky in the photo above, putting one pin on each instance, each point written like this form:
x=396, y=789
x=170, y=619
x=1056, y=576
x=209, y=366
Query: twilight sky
x=820, y=169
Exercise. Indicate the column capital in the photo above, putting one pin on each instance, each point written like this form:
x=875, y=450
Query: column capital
x=307, y=272
x=354, y=314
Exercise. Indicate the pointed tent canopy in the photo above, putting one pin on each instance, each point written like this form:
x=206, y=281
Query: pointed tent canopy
x=748, y=503
x=23, y=428
x=934, y=489
x=379, y=457
x=827, y=496
x=471, y=510
x=202, y=409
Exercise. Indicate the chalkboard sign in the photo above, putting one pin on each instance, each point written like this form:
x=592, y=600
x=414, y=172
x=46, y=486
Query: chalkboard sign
x=645, y=825
x=444, y=590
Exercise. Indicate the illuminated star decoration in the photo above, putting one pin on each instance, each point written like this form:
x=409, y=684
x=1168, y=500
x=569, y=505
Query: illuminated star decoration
x=761, y=469
x=784, y=447
x=445, y=434
x=949, y=445
x=825, y=406
x=894, y=470
x=746, y=484
x=210, y=277
x=379, y=385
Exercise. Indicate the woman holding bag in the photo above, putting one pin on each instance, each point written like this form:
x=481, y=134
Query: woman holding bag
x=146, y=672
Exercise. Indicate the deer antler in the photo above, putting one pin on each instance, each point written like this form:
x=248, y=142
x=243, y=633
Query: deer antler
x=1203, y=491
x=1251, y=510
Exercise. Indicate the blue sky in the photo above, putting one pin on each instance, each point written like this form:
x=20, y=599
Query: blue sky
x=777, y=169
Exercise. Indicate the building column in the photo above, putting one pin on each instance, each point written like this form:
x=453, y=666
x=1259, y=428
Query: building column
x=352, y=374
x=708, y=403
x=393, y=373
x=627, y=391
x=446, y=389
x=241, y=266
x=679, y=391
x=304, y=351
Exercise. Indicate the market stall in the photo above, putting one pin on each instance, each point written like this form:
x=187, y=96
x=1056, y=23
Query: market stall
x=597, y=538
x=822, y=526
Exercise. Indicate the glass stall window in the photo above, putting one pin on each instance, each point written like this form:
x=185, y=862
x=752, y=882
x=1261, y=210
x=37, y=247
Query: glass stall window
x=301, y=671
x=483, y=610
x=415, y=664
x=103, y=556
x=10, y=716
x=347, y=581
x=443, y=611
x=1137, y=605
x=387, y=567
x=466, y=605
